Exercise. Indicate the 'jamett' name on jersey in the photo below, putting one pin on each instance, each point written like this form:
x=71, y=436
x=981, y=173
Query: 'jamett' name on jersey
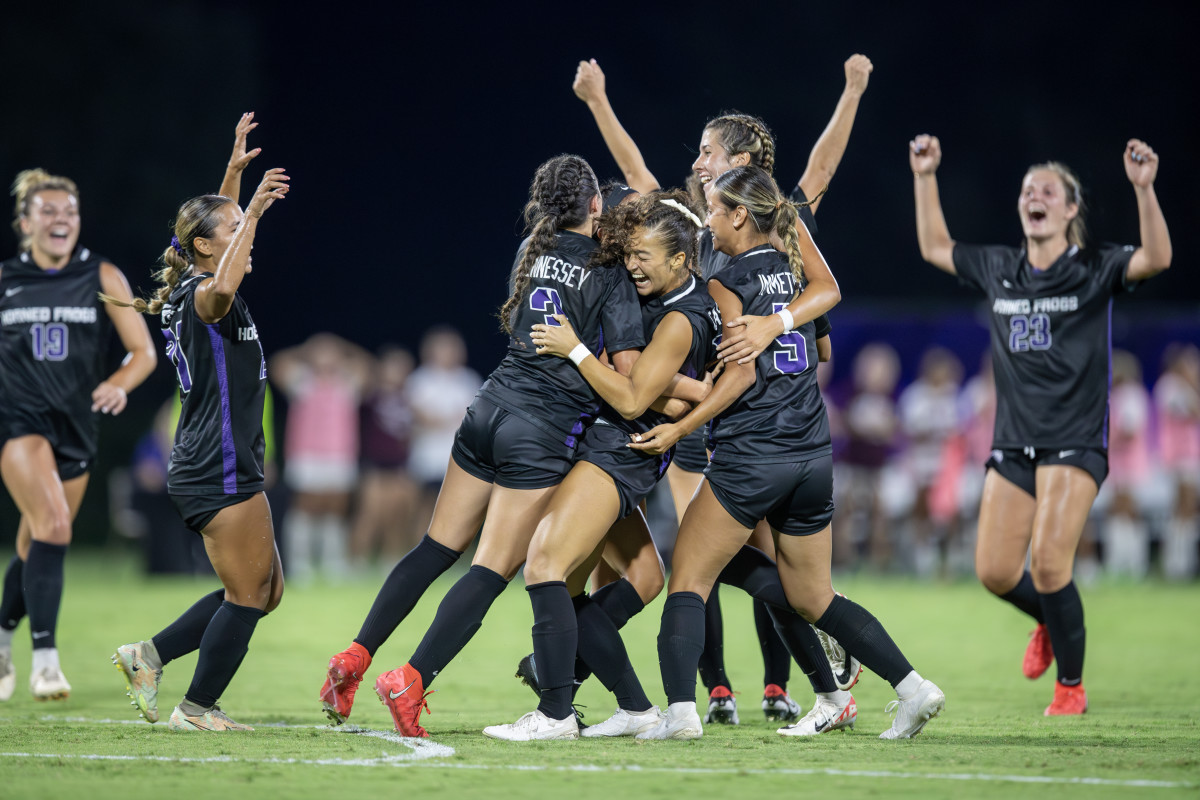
x=22, y=316
x=555, y=269
x=779, y=283
x=1004, y=305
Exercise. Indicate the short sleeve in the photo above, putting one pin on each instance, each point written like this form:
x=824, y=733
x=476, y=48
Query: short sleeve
x=621, y=316
x=976, y=264
x=1114, y=266
x=806, y=215
x=822, y=326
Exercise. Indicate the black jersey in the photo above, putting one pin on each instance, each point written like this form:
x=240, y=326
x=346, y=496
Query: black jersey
x=781, y=417
x=54, y=335
x=1051, y=346
x=601, y=304
x=219, y=442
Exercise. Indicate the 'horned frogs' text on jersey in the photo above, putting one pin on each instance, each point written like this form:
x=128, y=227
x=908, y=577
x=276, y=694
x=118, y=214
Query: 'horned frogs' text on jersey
x=1051, y=346
x=54, y=334
x=601, y=304
x=219, y=443
x=781, y=417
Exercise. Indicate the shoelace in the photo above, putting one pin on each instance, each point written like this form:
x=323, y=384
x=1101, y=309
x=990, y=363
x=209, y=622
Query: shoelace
x=892, y=708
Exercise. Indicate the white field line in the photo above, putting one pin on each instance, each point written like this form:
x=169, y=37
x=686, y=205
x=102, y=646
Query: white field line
x=423, y=751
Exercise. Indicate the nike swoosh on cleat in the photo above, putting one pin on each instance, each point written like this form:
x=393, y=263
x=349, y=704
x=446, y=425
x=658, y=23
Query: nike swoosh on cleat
x=393, y=695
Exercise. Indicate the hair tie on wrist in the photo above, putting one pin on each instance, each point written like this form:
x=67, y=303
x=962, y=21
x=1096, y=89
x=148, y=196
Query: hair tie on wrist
x=176, y=246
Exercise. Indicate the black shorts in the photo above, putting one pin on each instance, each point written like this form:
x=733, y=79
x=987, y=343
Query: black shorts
x=1020, y=466
x=795, y=497
x=508, y=449
x=73, y=443
x=634, y=473
x=691, y=453
x=198, y=510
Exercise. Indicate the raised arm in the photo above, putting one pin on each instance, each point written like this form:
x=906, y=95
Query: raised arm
x=589, y=87
x=214, y=296
x=933, y=237
x=231, y=186
x=827, y=152
x=140, y=357
x=1154, y=256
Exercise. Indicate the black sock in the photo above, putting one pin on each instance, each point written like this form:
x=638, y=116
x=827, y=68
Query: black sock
x=43, y=575
x=712, y=657
x=601, y=647
x=458, y=617
x=801, y=642
x=1064, y=622
x=1025, y=597
x=777, y=662
x=680, y=642
x=404, y=586
x=619, y=600
x=185, y=634
x=12, y=598
x=555, y=642
x=221, y=652
x=864, y=638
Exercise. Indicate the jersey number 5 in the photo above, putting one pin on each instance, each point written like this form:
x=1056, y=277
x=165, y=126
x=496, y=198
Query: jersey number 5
x=546, y=301
x=49, y=341
x=791, y=351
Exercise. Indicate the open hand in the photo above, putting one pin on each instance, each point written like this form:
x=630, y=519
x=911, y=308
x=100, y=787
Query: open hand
x=555, y=340
x=273, y=187
x=240, y=159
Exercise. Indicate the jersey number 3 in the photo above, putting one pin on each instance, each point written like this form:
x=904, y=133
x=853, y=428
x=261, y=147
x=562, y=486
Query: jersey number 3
x=791, y=351
x=546, y=301
x=49, y=341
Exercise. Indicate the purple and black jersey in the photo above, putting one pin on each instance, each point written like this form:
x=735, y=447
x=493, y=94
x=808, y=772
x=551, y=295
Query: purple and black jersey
x=54, y=334
x=601, y=304
x=219, y=443
x=781, y=417
x=1051, y=341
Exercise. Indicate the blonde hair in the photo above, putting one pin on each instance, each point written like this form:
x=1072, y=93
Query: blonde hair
x=197, y=219
x=28, y=183
x=1076, y=228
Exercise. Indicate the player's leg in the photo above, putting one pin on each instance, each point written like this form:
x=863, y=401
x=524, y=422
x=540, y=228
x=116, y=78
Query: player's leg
x=777, y=661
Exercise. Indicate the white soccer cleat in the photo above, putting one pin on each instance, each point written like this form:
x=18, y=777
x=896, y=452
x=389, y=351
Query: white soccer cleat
x=49, y=683
x=214, y=720
x=913, y=712
x=846, y=668
x=141, y=680
x=624, y=723
x=826, y=715
x=535, y=726
x=8, y=675
x=680, y=722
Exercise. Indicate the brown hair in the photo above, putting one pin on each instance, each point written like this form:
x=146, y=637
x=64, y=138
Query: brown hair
x=742, y=133
x=1077, y=228
x=197, y=219
x=559, y=197
x=28, y=183
x=663, y=221
x=756, y=191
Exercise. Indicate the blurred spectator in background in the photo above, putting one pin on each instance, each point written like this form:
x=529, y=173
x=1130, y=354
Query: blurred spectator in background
x=1177, y=399
x=1125, y=534
x=323, y=380
x=439, y=391
x=388, y=495
x=870, y=427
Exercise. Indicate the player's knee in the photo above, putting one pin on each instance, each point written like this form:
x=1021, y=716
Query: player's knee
x=54, y=528
x=542, y=567
x=647, y=580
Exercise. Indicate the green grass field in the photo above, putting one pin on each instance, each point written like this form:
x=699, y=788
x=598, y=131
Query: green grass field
x=1141, y=736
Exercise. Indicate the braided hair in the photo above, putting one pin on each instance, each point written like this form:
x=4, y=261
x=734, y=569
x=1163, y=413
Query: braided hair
x=743, y=133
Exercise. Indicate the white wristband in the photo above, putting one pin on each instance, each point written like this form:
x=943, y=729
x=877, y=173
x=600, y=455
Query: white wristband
x=579, y=353
x=788, y=321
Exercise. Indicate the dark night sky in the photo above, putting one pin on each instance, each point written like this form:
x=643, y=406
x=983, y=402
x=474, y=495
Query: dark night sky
x=411, y=136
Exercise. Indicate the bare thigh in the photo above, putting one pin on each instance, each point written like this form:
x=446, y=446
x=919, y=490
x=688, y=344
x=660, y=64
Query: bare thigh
x=1065, y=497
x=708, y=539
x=575, y=523
x=512, y=517
x=1005, y=529
x=804, y=570
x=30, y=473
x=630, y=551
x=683, y=487
x=74, y=489
x=240, y=542
x=462, y=505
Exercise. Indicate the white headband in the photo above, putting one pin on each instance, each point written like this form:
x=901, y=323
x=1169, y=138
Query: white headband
x=687, y=212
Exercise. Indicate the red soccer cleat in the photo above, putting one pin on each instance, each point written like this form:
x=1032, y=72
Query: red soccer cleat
x=1039, y=654
x=1068, y=700
x=346, y=669
x=403, y=692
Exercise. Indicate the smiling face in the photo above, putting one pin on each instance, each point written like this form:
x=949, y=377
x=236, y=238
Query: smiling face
x=52, y=225
x=654, y=271
x=720, y=221
x=714, y=160
x=1044, y=208
x=228, y=218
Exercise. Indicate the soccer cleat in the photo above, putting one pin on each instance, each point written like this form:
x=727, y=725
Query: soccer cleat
x=680, y=722
x=778, y=705
x=345, y=671
x=826, y=715
x=846, y=668
x=527, y=673
x=403, y=692
x=8, y=675
x=535, y=726
x=722, y=707
x=1039, y=653
x=213, y=720
x=624, y=723
x=1068, y=700
x=913, y=712
x=141, y=680
x=49, y=683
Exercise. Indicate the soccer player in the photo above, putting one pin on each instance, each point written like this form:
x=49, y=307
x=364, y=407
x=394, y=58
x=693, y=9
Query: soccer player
x=513, y=448
x=1050, y=303
x=768, y=413
x=656, y=240
x=54, y=336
